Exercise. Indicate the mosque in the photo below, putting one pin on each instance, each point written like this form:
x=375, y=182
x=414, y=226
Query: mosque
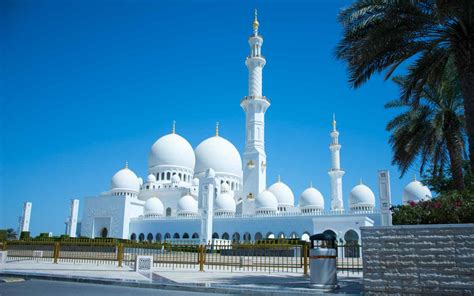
x=214, y=192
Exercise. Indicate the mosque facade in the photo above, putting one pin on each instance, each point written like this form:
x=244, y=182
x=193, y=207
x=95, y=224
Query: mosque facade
x=214, y=192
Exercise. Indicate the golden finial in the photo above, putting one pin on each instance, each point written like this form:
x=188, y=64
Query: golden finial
x=173, y=130
x=255, y=22
x=334, y=121
x=217, y=129
x=126, y=164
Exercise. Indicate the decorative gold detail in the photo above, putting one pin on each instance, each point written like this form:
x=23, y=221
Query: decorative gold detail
x=217, y=129
x=126, y=164
x=255, y=21
x=250, y=196
x=250, y=164
x=263, y=165
x=334, y=121
x=173, y=130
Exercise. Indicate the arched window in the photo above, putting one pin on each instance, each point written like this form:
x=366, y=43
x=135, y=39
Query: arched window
x=281, y=235
x=104, y=232
x=149, y=237
x=236, y=237
x=167, y=236
x=162, y=175
x=133, y=237
x=294, y=235
x=141, y=237
x=225, y=235
x=331, y=233
x=215, y=235
x=195, y=235
x=158, y=238
x=258, y=236
x=247, y=237
x=168, y=212
x=185, y=235
x=270, y=235
x=179, y=175
x=351, y=248
x=168, y=176
x=176, y=235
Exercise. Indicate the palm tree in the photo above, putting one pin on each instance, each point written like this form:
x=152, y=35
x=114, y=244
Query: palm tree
x=380, y=35
x=430, y=130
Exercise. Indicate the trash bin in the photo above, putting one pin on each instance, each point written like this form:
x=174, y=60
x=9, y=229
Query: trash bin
x=322, y=261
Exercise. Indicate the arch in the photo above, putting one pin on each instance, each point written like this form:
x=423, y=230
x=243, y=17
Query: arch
x=133, y=237
x=176, y=235
x=247, y=237
x=331, y=233
x=167, y=236
x=185, y=235
x=215, y=235
x=168, y=176
x=104, y=232
x=270, y=235
x=294, y=235
x=141, y=237
x=149, y=237
x=281, y=235
x=225, y=235
x=162, y=176
x=305, y=236
x=351, y=247
x=195, y=235
x=168, y=212
x=258, y=236
x=158, y=238
x=236, y=237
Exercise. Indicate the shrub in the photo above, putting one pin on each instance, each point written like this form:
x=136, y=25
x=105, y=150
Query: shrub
x=24, y=235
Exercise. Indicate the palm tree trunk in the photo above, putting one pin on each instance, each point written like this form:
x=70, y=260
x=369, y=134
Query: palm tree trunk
x=455, y=153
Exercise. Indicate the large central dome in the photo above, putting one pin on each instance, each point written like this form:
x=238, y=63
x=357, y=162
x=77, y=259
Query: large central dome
x=219, y=154
x=171, y=150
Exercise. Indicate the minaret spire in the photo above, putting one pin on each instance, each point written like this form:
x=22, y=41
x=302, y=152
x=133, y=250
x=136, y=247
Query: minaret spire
x=255, y=105
x=217, y=129
x=173, y=130
x=335, y=173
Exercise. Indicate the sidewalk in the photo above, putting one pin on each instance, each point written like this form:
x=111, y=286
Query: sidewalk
x=218, y=281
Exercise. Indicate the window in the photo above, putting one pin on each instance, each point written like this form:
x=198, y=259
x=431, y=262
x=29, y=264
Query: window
x=104, y=232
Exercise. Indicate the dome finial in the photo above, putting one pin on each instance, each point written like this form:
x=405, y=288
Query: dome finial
x=279, y=178
x=126, y=164
x=173, y=130
x=310, y=184
x=414, y=177
x=217, y=129
x=360, y=181
x=255, y=23
x=333, y=121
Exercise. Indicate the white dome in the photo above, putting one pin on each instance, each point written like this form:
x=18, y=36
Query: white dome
x=416, y=191
x=266, y=201
x=224, y=203
x=219, y=154
x=283, y=194
x=311, y=198
x=195, y=182
x=154, y=206
x=187, y=205
x=125, y=180
x=171, y=150
x=175, y=179
x=151, y=178
x=361, y=196
x=225, y=187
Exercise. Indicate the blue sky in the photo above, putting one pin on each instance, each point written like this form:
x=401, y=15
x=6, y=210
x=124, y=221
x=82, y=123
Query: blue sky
x=88, y=85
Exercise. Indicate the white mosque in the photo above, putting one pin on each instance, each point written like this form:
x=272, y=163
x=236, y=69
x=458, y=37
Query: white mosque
x=214, y=192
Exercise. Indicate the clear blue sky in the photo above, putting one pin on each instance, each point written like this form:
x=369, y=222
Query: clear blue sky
x=88, y=85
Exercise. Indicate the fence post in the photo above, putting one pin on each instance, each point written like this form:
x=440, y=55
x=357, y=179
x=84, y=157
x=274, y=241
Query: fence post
x=201, y=257
x=120, y=254
x=56, y=252
x=305, y=259
x=4, y=246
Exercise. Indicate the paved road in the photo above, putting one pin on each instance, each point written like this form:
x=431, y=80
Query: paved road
x=52, y=288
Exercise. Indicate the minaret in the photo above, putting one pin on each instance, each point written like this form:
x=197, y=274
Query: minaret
x=254, y=105
x=72, y=226
x=25, y=217
x=335, y=173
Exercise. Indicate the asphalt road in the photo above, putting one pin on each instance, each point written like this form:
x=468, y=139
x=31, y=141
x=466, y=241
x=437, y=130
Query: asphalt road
x=52, y=288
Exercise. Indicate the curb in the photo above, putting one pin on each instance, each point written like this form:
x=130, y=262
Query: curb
x=168, y=286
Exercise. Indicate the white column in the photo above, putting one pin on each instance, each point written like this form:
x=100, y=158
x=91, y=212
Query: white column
x=206, y=204
x=335, y=173
x=72, y=225
x=25, y=217
x=255, y=105
x=385, y=197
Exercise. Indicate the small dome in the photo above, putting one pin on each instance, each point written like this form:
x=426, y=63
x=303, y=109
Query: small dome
x=224, y=203
x=416, y=191
x=125, y=180
x=220, y=155
x=225, y=188
x=361, y=197
x=187, y=205
x=151, y=178
x=283, y=194
x=195, y=182
x=171, y=150
x=154, y=206
x=175, y=179
x=311, y=198
x=266, y=201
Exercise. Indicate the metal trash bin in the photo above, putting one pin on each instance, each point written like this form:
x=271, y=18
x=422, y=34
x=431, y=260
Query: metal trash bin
x=322, y=261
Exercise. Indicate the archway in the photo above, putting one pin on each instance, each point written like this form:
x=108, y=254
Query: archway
x=236, y=237
x=331, y=233
x=247, y=237
x=176, y=235
x=149, y=237
x=258, y=236
x=185, y=235
x=168, y=212
x=294, y=235
x=158, y=238
x=133, y=237
x=351, y=248
x=104, y=232
x=270, y=235
x=305, y=236
x=167, y=235
x=141, y=237
x=195, y=235
x=281, y=235
x=225, y=235
x=215, y=235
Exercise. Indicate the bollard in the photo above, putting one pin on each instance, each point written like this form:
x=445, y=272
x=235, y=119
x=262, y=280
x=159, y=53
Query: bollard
x=201, y=257
x=56, y=253
x=120, y=254
x=305, y=259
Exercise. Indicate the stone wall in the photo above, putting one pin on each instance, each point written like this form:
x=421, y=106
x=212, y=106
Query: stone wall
x=419, y=259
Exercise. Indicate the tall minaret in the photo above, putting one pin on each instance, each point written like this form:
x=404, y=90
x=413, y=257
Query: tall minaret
x=72, y=226
x=254, y=105
x=335, y=173
x=25, y=217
